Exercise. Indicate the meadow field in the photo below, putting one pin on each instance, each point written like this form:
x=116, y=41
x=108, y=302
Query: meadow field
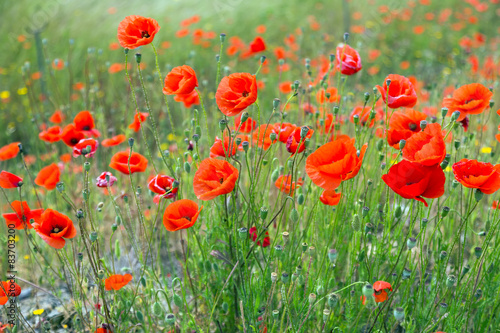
x=250, y=166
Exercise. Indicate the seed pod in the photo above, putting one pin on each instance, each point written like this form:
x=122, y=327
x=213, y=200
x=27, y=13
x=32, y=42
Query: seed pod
x=225, y=307
x=399, y=314
x=411, y=243
x=450, y=281
x=332, y=255
x=170, y=319
x=140, y=316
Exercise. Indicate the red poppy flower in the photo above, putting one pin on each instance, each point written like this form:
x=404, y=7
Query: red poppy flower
x=217, y=150
x=308, y=108
x=334, y=162
x=181, y=80
x=52, y=134
x=285, y=87
x=57, y=117
x=120, y=161
x=85, y=144
x=181, y=214
x=364, y=116
x=285, y=184
x=117, y=281
x=262, y=136
x=253, y=235
x=48, y=177
x=9, y=151
x=54, y=227
x=9, y=180
x=292, y=143
x=327, y=123
x=139, y=118
x=135, y=31
x=283, y=131
x=426, y=147
x=163, y=186
x=214, y=178
x=103, y=330
x=256, y=46
x=84, y=122
x=114, y=141
x=188, y=99
x=330, y=197
x=401, y=92
x=472, y=98
x=235, y=93
x=71, y=136
x=23, y=214
x=102, y=181
x=332, y=92
x=248, y=126
x=348, y=60
x=9, y=289
x=416, y=181
x=473, y=174
x=380, y=289
x=402, y=125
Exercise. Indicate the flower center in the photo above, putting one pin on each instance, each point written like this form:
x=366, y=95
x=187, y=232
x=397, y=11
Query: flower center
x=86, y=128
x=468, y=101
x=74, y=141
x=413, y=126
x=145, y=34
x=187, y=218
x=245, y=93
x=56, y=230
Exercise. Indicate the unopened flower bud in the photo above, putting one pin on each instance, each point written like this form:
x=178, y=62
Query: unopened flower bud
x=411, y=243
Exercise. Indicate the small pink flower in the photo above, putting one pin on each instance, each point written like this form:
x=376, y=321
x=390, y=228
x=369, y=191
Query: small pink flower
x=101, y=181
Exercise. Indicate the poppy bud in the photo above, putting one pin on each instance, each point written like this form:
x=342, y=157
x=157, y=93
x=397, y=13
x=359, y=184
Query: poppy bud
x=177, y=300
x=285, y=235
x=450, y=281
x=367, y=96
x=367, y=290
x=303, y=131
x=276, y=103
x=442, y=308
x=372, y=114
x=364, y=211
x=263, y=213
x=140, y=316
x=100, y=274
x=444, y=112
x=114, y=227
x=454, y=183
x=225, y=307
x=222, y=37
x=285, y=277
x=444, y=164
x=380, y=145
x=465, y=269
x=312, y=298
x=333, y=299
x=157, y=310
x=304, y=247
x=208, y=266
x=423, y=223
x=332, y=255
x=272, y=136
x=368, y=227
x=443, y=255
x=278, y=250
x=406, y=273
x=138, y=58
x=478, y=251
x=85, y=194
x=478, y=195
x=445, y=211
x=356, y=119
x=399, y=314
x=117, y=249
x=346, y=37
x=402, y=144
x=245, y=146
x=238, y=141
x=356, y=223
x=60, y=187
x=296, y=84
x=411, y=243
x=262, y=59
x=455, y=115
x=294, y=215
x=131, y=142
x=86, y=166
x=93, y=236
x=243, y=233
x=423, y=124
x=80, y=256
x=187, y=167
x=398, y=212
x=300, y=199
x=170, y=319
x=492, y=103
x=478, y=293
x=222, y=124
x=361, y=256
x=388, y=83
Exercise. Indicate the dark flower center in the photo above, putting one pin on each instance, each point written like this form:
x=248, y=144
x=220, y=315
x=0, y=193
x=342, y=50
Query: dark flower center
x=86, y=128
x=245, y=93
x=413, y=126
x=56, y=230
x=187, y=218
x=468, y=101
x=145, y=34
x=74, y=141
